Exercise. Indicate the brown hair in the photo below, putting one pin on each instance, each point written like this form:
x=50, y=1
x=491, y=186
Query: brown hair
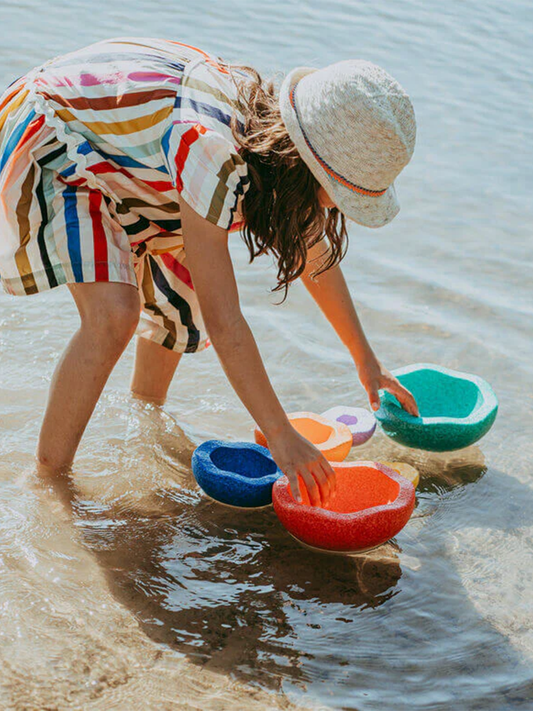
x=281, y=208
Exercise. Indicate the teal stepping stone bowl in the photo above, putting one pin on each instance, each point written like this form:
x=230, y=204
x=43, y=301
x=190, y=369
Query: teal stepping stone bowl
x=239, y=474
x=456, y=409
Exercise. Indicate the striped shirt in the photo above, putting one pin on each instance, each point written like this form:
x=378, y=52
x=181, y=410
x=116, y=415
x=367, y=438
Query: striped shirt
x=97, y=150
x=144, y=118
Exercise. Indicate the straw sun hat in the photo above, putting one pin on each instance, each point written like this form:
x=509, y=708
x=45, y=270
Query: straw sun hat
x=355, y=128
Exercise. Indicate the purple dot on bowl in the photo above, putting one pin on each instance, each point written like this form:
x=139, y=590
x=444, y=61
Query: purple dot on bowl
x=360, y=422
x=348, y=419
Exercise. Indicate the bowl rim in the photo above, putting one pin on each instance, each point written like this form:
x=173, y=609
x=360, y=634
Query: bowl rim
x=202, y=456
x=489, y=405
x=404, y=498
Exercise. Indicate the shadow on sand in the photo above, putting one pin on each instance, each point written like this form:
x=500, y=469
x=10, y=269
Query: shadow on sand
x=234, y=592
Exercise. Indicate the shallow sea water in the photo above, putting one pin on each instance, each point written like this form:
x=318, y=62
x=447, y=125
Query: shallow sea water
x=128, y=589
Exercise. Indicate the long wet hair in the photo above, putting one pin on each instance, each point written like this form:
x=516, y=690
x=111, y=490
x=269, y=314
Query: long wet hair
x=281, y=207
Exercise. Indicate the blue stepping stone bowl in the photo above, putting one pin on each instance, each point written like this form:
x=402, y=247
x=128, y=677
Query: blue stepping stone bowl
x=239, y=474
x=456, y=409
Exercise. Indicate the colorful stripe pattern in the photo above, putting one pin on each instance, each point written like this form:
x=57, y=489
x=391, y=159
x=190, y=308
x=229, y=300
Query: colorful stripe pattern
x=95, y=149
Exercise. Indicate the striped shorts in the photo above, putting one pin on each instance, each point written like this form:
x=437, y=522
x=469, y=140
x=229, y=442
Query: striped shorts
x=57, y=229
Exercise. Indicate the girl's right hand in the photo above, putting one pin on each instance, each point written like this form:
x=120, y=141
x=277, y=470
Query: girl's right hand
x=297, y=457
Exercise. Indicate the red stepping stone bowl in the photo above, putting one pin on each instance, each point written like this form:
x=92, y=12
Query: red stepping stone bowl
x=371, y=505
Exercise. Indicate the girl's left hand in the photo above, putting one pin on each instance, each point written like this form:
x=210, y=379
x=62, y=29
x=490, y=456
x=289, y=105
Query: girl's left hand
x=374, y=376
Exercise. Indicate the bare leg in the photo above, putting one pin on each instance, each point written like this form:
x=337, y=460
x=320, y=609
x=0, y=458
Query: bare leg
x=154, y=369
x=109, y=314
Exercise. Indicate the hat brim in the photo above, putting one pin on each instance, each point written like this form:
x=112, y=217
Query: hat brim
x=366, y=210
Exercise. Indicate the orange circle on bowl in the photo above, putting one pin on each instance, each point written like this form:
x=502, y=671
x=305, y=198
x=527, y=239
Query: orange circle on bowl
x=371, y=504
x=330, y=437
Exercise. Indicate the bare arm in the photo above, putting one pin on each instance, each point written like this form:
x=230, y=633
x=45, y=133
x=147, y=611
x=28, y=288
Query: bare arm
x=331, y=293
x=213, y=277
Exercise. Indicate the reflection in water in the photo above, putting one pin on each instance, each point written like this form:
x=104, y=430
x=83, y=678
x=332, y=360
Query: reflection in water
x=235, y=593
x=222, y=587
x=213, y=582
